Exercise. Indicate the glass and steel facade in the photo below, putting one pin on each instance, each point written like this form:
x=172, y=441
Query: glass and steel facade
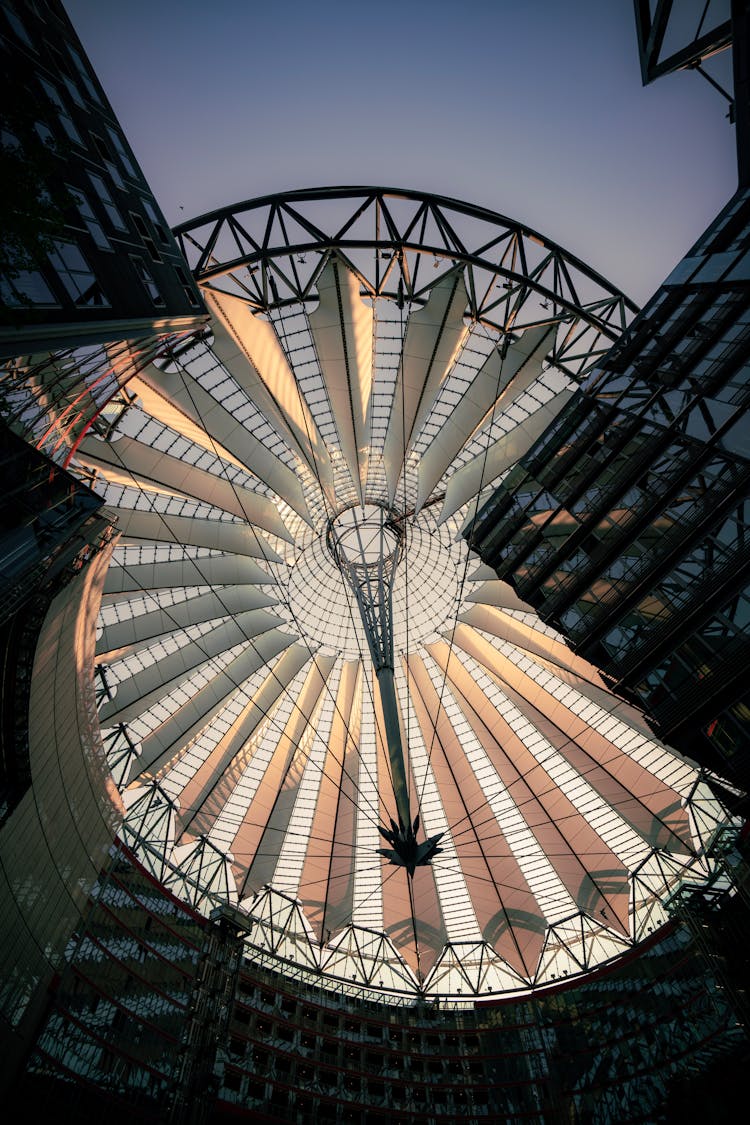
x=626, y=524
x=86, y=254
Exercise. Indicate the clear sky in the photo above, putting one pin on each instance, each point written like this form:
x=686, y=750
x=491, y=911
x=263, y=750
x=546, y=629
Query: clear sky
x=531, y=107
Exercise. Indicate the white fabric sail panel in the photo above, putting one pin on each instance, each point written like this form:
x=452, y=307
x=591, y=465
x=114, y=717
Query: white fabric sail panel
x=293, y=817
x=341, y=327
x=589, y=870
x=367, y=905
x=568, y=721
x=135, y=695
x=434, y=335
x=412, y=916
x=437, y=806
x=601, y=696
x=133, y=463
x=496, y=593
x=180, y=402
x=483, y=573
x=500, y=379
x=175, y=399
x=214, y=570
x=135, y=525
x=267, y=810
x=138, y=693
x=206, y=794
x=536, y=643
x=550, y=894
x=467, y=481
x=627, y=823
x=495, y=886
x=326, y=878
x=163, y=743
x=250, y=349
x=285, y=839
x=122, y=638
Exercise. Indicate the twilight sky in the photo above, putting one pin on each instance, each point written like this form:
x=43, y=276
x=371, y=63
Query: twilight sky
x=532, y=108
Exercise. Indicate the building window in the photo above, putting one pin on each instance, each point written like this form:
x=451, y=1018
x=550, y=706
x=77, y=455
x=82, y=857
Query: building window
x=45, y=134
x=65, y=119
x=146, y=277
x=27, y=289
x=144, y=232
x=17, y=26
x=9, y=140
x=77, y=276
x=189, y=292
x=106, y=157
x=92, y=223
x=74, y=92
x=80, y=66
x=101, y=147
x=114, y=174
x=119, y=148
x=157, y=221
x=102, y=191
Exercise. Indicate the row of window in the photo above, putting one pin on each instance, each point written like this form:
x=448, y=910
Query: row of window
x=32, y=289
x=73, y=133
x=80, y=74
x=67, y=85
x=81, y=70
x=104, y=150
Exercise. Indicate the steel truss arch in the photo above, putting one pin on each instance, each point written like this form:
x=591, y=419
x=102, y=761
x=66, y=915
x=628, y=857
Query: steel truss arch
x=515, y=277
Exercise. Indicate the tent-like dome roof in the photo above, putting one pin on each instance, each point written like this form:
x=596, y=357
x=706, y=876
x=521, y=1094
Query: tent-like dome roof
x=376, y=363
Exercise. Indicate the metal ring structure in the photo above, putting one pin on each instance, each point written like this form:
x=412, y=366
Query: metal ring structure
x=387, y=348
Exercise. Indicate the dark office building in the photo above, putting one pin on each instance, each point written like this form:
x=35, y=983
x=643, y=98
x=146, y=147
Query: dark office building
x=86, y=258
x=87, y=255
x=626, y=524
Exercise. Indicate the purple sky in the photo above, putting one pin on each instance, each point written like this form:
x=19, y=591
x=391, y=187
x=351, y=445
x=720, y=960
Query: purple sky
x=532, y=108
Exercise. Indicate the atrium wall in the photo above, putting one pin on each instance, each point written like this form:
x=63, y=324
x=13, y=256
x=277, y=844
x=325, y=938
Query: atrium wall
x=54, y=843
x=50, y=525
x=153, y=1013
x=112, y=1038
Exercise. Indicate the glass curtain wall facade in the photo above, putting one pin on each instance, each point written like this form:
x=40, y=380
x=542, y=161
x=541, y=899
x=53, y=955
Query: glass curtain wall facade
x=626, y=525
x=113, y=1037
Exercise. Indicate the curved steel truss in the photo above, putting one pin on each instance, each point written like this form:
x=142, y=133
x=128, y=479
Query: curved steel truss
x=389, y=351
x=271, y=252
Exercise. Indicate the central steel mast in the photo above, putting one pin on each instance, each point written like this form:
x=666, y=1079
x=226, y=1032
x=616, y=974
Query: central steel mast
x=367, y=549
